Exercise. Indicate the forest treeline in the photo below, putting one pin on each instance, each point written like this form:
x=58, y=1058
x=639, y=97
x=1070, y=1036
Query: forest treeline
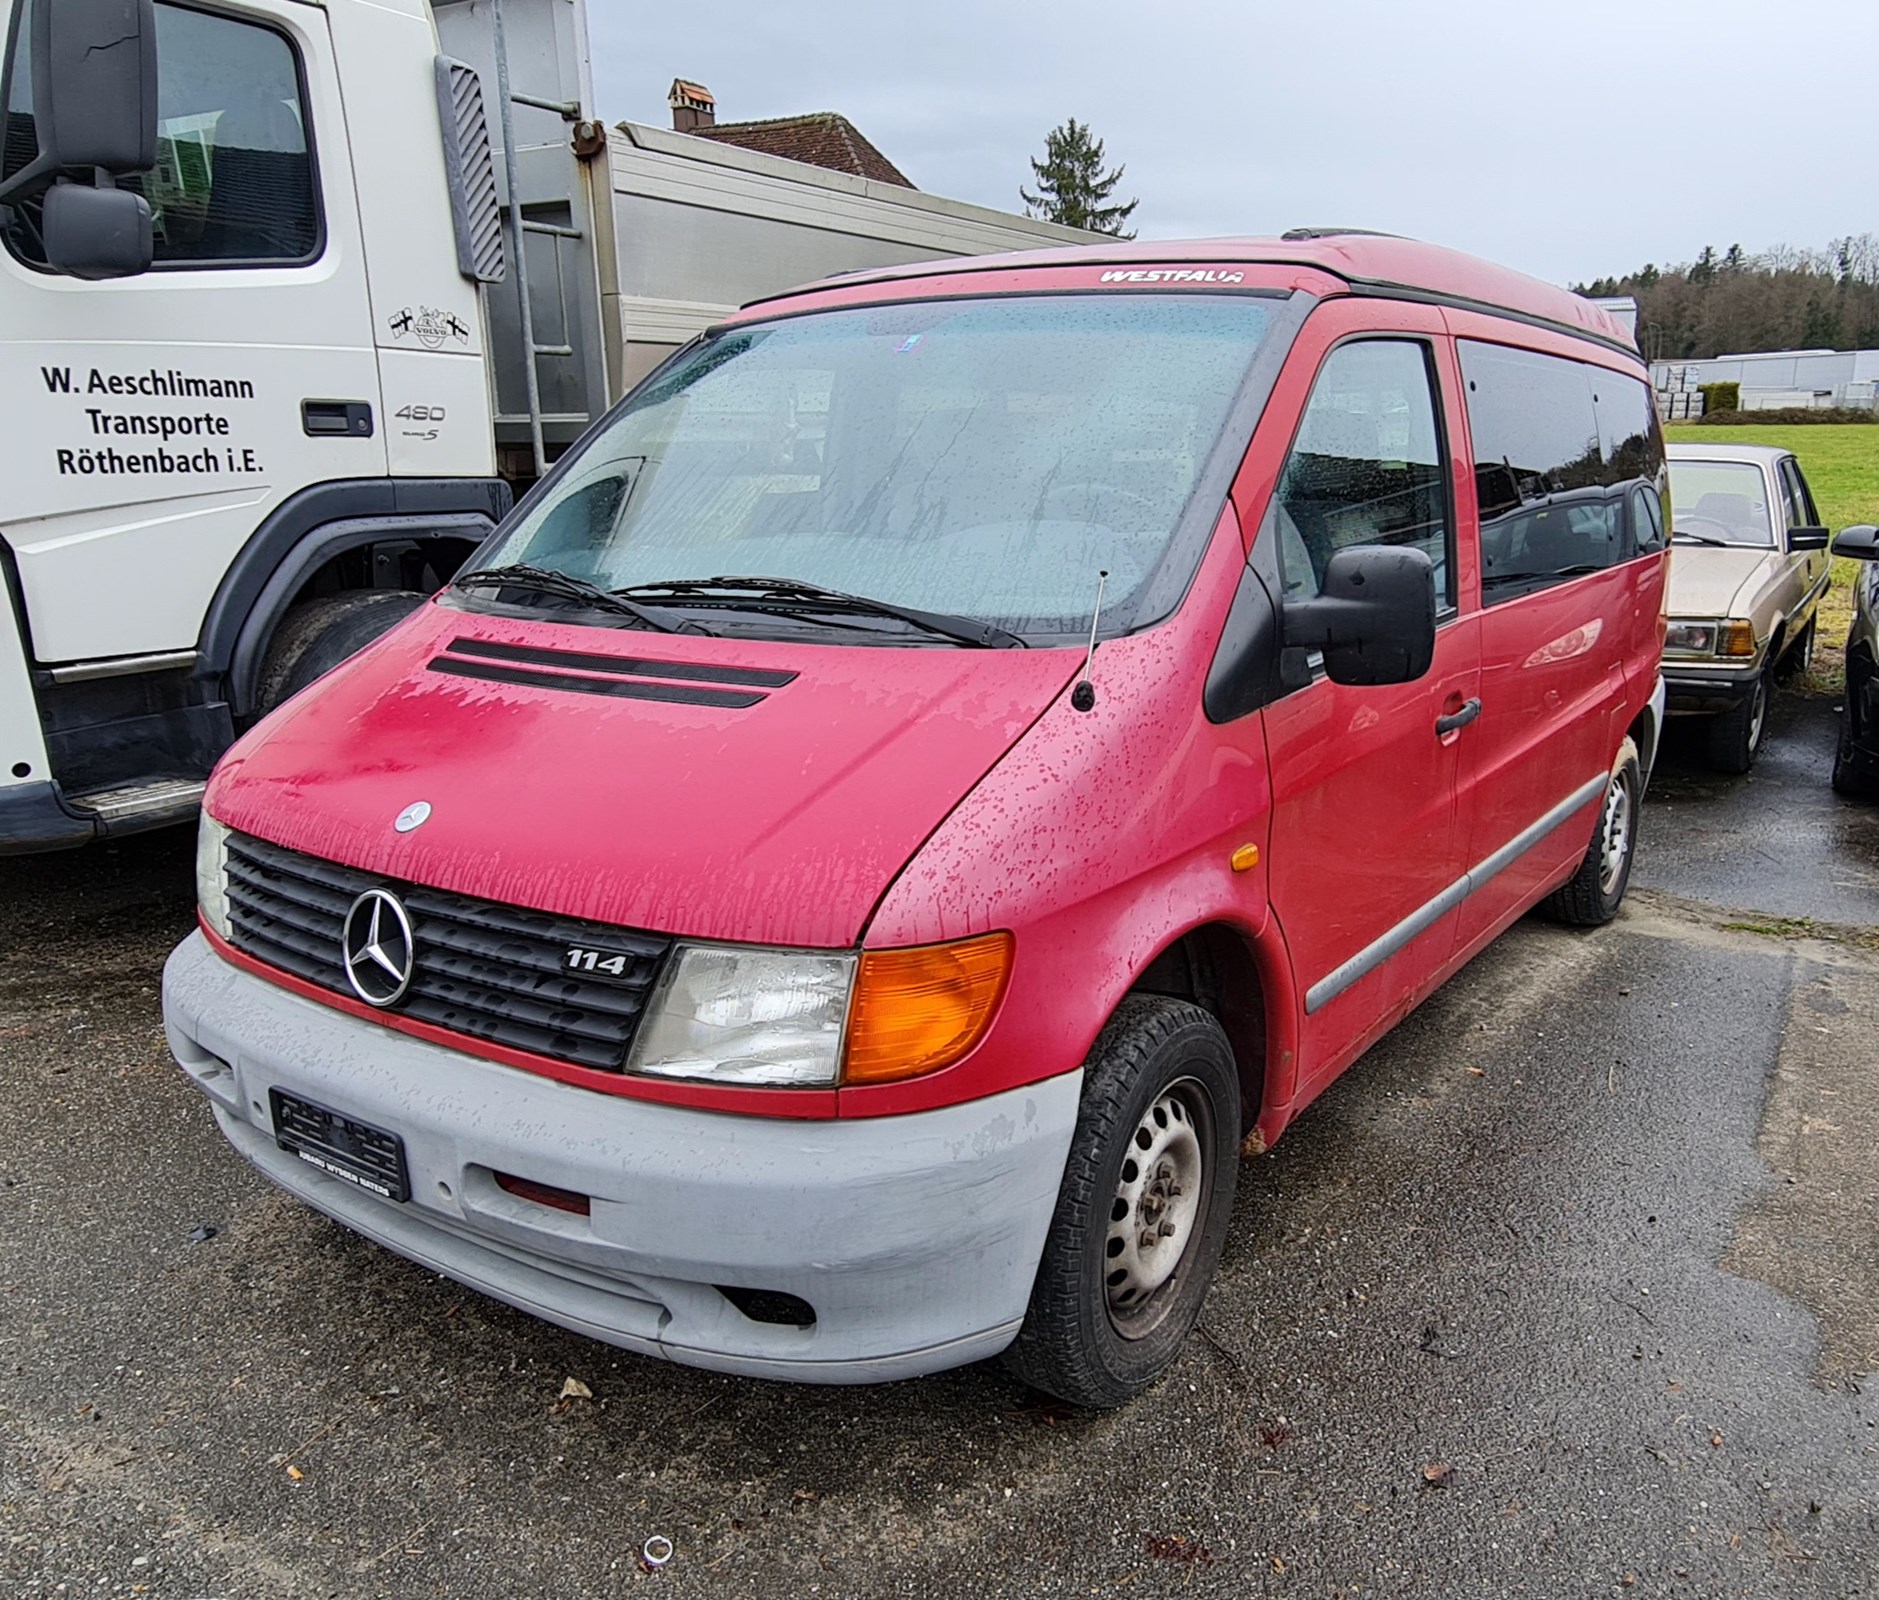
x=1730, y=302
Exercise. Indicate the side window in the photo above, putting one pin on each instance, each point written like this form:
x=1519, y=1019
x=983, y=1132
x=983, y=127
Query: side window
x=234, y=182
x=1647, y=520
x=1795, y=498
x=1555, y=441
x=1367, y=467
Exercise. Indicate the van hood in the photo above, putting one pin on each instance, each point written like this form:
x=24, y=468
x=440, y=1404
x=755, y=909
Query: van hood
x=1705, y=580
x=743, y=790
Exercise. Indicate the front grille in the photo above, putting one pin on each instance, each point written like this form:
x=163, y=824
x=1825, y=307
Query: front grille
x=491, y=971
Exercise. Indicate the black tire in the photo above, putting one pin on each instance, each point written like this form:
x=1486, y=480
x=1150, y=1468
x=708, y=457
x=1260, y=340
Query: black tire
x=1799, y=656
x=1156, y=1062
x=1852, y=777
x=1735, y=737
x=317, y=635
x=1591, y=897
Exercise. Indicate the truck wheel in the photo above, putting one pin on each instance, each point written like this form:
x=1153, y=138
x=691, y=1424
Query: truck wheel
x=1735, y=736
x=1143, y=1212
x=317, y=635
x=1590, y=898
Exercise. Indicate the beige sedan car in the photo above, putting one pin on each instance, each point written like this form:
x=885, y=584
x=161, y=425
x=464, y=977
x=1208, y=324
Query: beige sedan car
x=1746, y=577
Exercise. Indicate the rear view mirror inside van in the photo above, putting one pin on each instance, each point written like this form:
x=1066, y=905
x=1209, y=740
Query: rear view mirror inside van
x=1374, y=617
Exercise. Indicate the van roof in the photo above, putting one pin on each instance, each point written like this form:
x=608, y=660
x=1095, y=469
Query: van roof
x=1371, y=263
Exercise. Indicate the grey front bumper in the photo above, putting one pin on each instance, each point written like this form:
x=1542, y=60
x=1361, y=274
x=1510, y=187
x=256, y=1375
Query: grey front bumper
x=914, y=1238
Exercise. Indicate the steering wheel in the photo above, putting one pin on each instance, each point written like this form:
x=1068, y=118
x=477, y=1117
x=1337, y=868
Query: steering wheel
x=1140, y=501
x=1683, y=522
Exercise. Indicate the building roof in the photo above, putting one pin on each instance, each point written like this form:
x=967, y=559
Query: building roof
x=820, y=138
x=1369, y=262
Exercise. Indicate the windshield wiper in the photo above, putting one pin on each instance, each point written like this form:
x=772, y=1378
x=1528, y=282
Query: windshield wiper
x=794, y=595
x=565, y=586
x=1683, y=535
x=1494, y=580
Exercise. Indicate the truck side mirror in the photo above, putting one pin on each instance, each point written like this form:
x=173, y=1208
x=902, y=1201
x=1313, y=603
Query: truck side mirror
x=96, y=233
x=95, y=84
x=94, y=116
x=1374, y=617
x=1860, y=542
x=1806, y=538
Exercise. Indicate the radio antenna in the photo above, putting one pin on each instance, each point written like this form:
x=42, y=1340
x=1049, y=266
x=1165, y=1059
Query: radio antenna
x=1083, y=696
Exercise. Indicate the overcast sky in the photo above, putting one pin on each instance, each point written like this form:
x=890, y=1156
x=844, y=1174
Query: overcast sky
x=1568, y=140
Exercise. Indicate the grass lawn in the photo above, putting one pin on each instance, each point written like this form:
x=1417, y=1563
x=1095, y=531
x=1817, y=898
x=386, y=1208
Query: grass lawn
x=1842, y=466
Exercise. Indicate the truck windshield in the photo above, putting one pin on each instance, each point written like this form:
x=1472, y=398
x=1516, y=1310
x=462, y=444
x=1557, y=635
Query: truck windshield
x=1720, y=502
x=977, y=458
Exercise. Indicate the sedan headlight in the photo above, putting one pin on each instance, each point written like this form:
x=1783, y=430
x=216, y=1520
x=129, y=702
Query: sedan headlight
x=212, y=874
x=729, y=1015
x=1690, y=638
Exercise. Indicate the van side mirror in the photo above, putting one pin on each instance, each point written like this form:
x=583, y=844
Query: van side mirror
x=97, y=233
x=1860, y=542
x=1805, y=538
x=1374, y=617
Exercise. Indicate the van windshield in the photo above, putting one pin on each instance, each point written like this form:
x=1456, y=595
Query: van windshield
x=1720, y=502
x=979, y=458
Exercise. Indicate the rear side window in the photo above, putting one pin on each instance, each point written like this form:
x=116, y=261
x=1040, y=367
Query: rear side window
x=1799, y=503
x=234, y=182
x=1556, y=445
x=1367, y=467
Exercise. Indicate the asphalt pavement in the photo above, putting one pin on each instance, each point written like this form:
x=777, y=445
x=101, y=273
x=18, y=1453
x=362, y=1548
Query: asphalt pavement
x=1566, y=1289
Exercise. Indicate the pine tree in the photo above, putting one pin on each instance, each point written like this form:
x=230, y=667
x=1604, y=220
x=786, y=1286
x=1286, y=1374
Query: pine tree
x=1072, y=186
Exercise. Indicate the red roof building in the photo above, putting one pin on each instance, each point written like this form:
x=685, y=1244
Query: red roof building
x=819, y=138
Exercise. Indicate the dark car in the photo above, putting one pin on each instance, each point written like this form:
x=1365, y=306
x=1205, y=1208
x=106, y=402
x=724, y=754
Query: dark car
x=1856, y=762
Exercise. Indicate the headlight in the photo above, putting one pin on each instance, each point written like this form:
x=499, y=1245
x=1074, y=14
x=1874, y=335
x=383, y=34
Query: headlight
x=729, y=1015
x=212, y=874
x=1690, y=638
x=813, y=1019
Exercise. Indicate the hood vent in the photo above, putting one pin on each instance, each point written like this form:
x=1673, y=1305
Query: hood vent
x=686, y=683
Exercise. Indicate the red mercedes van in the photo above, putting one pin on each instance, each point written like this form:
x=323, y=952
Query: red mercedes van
x=955, y=757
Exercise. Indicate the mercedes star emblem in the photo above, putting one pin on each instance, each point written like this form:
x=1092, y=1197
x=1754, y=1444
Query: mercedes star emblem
x=377, y=949
x=414, y=815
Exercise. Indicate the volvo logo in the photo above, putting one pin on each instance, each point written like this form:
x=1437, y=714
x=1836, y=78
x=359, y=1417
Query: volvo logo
x=377, y=949
x=414, y=815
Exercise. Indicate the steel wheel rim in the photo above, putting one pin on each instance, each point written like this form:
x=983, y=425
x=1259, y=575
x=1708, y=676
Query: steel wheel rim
x=1615, y=845
x=1155, y=1213
x=1758, y=714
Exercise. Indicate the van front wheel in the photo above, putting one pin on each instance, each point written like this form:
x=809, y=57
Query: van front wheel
x=1146, y=1199
x=1590, y=897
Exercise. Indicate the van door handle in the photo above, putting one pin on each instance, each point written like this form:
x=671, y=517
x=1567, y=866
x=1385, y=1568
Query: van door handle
x=1444, y=726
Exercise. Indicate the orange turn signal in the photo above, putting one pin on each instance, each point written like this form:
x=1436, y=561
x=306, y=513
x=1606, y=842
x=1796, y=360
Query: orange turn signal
x=1736, y=638
x=922, y=1009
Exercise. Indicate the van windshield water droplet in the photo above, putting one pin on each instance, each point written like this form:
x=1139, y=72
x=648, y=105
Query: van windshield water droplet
x=972, y=458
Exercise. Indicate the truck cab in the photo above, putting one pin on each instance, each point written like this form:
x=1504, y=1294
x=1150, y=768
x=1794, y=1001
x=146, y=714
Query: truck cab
x=301, y=357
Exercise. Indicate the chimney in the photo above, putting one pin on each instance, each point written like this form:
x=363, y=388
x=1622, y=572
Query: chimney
x=692, y=106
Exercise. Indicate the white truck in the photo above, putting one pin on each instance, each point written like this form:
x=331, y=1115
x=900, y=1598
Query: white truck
x=294, y=295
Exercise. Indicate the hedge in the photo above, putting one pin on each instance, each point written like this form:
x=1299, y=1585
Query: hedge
x=1782, y=416
x=1720, y=396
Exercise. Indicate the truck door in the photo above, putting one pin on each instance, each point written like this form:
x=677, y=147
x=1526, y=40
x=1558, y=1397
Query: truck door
x=153, y=423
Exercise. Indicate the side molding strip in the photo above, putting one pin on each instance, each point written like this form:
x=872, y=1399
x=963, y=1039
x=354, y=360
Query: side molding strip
x=1373, y=955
